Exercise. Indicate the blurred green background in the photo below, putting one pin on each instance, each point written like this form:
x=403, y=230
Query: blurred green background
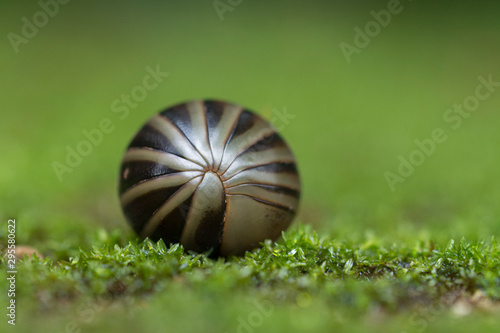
x=352, y=120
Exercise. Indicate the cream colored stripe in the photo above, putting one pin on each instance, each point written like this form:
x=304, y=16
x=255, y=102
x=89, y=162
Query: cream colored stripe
x=169, y=160
x=170, y=180
x=207, y=199
x=221, y=133
x=239, y=144
x=199, y=133
x=252, y=176
x=176, y=138
x=173, y=202
x=254, y=159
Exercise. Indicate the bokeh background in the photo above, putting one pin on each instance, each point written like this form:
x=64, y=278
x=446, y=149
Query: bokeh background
x=352, y=120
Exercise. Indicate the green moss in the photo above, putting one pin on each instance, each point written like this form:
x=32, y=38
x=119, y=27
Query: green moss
x=302, y=270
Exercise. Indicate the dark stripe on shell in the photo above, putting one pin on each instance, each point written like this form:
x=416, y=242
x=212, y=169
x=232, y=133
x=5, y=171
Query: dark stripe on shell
x=180, y=118
x=142, y=208
x=151, y=138
x=275, y=189
x=171, y=226
x=214, y=113
x=245, y=122
x=137, y=171
x=209, y=232
x=276, y=168
x=285, y=208
x=272, y=141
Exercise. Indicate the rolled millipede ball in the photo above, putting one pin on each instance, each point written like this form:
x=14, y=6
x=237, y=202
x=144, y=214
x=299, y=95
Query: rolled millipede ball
x=211, y=176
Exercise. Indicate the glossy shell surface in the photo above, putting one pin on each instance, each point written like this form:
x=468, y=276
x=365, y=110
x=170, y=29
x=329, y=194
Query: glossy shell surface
x=210, y=175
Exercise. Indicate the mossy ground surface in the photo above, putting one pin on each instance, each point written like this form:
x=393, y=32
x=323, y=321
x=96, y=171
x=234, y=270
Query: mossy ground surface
x=304, y=282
